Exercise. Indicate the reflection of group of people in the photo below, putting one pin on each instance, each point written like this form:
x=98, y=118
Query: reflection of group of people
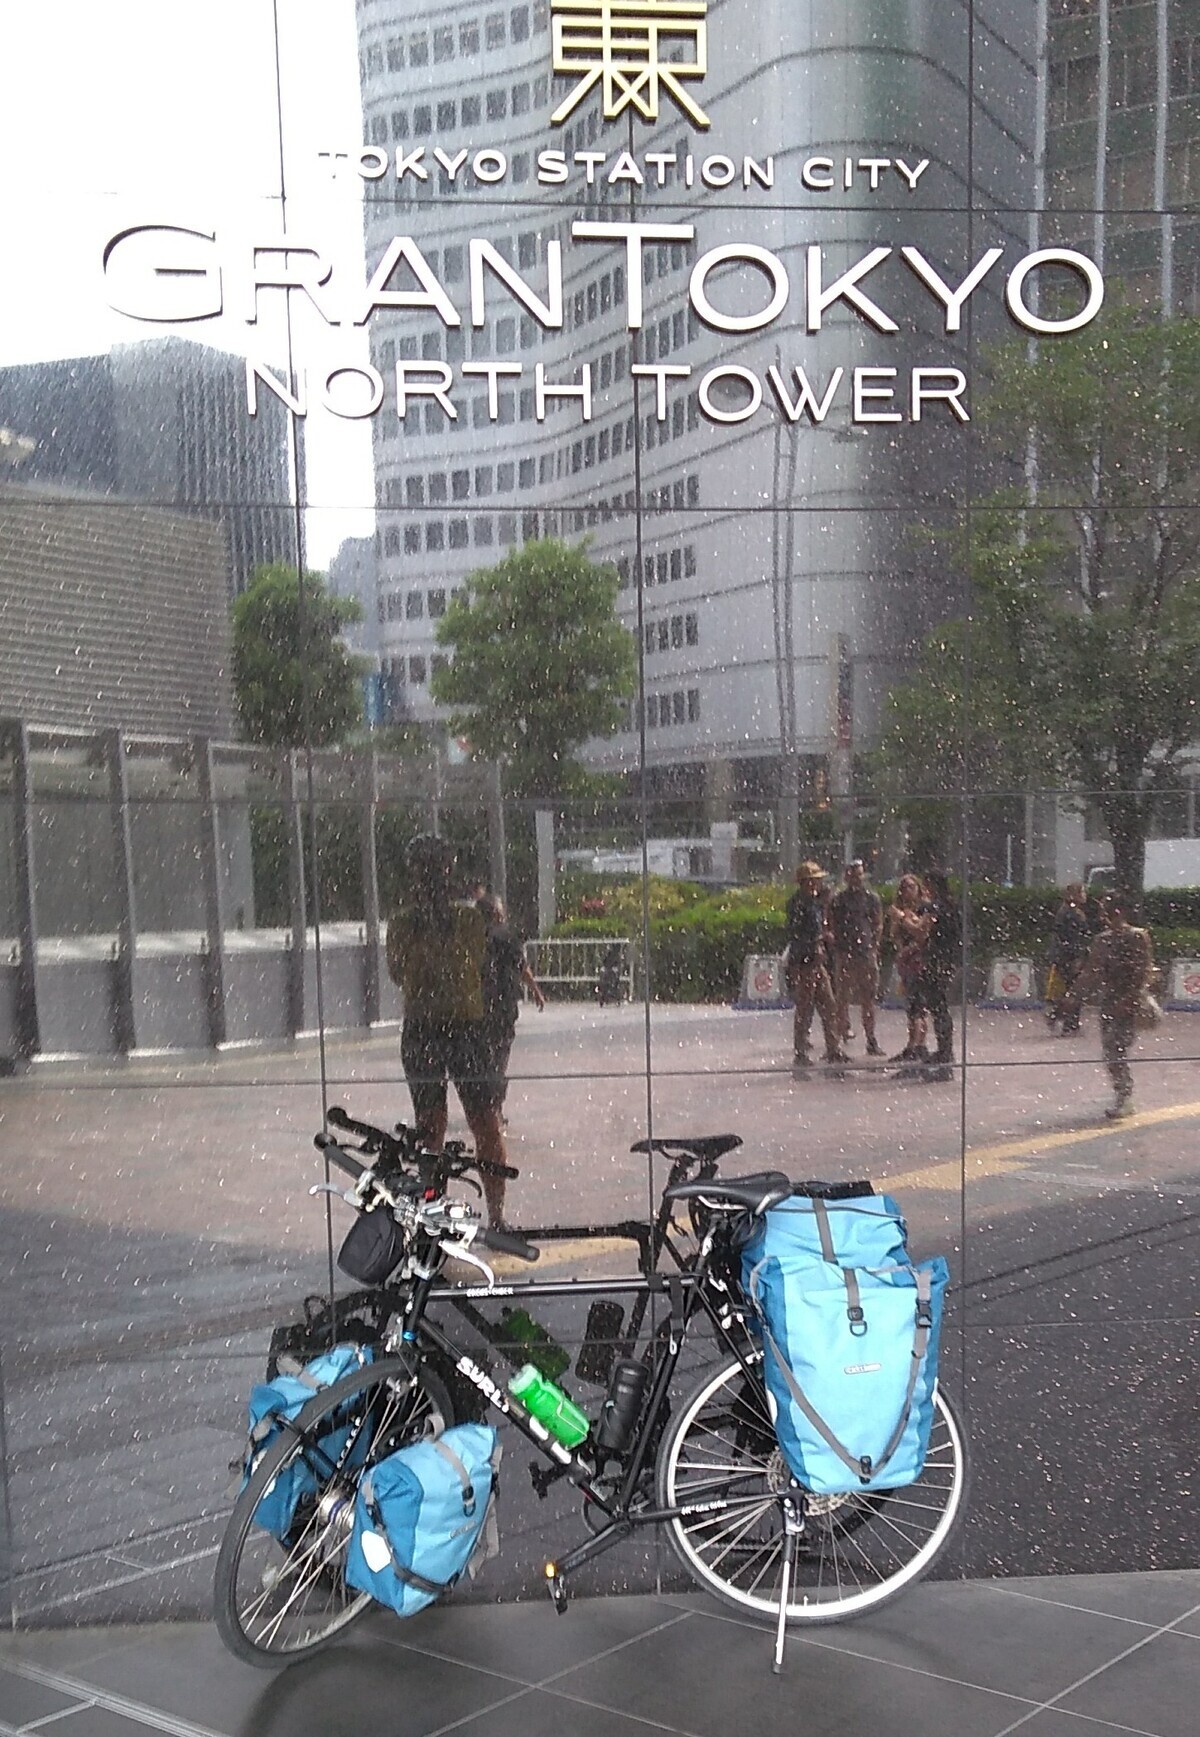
x=832, y=962
x=461, y=970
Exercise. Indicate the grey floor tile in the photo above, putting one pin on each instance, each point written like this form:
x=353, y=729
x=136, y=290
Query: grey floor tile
x=22, y=1699
x=95, y=1722
x=1156, y=1688
x=1054, y=1724
x=530, y=1642
x=540, y=1713
x=971, y=1633
x=64, y=1649
x=712, y=1678
x=1153, y=1599
x=393, y=1692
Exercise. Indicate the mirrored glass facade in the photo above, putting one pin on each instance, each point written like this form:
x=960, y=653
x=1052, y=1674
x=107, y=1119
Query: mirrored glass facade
x=648, y=476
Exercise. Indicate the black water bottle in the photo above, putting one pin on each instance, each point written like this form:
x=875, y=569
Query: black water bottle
x=622, y=1406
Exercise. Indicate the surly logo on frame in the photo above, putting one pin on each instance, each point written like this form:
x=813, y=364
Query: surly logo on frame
x=635, y=50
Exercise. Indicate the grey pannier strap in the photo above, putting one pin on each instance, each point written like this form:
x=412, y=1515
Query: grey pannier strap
x=821, y=1216
x=464, y=1477
x=920, y=1344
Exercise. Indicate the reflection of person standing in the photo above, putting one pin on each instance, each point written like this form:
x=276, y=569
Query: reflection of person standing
x=908, y=939
x=435, y=949
x=1117, y=970
x=807, y=979
x=941, y=926
x=504, y=972
x=856, y=924
x=1068, y=950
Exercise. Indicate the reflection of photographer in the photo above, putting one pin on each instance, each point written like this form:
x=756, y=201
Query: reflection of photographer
x=435, y=952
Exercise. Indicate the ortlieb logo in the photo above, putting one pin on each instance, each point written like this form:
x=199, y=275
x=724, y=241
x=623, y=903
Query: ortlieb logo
x=862, y=1368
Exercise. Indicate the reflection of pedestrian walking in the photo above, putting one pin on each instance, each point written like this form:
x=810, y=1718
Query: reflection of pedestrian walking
x=435, y=950
x=610, y=989
x=504, y=972
x=856, y=925
x=807, y=979
x=941, y=925
x=1117, y=970
x=1068, y=950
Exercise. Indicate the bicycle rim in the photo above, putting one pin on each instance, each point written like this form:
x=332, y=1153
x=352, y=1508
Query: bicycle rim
x=857, y=1551
x=279, y=1601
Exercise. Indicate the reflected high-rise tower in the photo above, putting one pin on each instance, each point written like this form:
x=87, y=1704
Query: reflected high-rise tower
x=787, y=570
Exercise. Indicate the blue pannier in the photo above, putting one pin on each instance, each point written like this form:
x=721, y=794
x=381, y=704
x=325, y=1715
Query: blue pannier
x=275, y=1404
x=420, y=1517
x=850, y=1331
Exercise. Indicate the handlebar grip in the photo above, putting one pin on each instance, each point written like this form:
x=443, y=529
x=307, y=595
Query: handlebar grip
x=508, y=1171
x=505, y=1242
x=328, y=1145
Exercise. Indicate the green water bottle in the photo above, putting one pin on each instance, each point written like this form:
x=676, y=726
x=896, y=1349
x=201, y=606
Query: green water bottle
x=518, y=1328
x=550, y=1405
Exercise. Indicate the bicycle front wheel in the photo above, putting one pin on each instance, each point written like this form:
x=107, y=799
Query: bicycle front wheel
x=276, y=1601
x=857, y=1551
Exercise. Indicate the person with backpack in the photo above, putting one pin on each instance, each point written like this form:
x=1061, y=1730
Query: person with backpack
x=435, y=952
x=940, y=924
x=505, y=973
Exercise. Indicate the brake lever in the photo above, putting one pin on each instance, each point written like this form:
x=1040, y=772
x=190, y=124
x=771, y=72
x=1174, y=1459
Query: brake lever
x=461, y=1251
x=346, y=1194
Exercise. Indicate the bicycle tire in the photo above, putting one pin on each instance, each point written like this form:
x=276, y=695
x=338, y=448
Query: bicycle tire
x=307, y=1570
x=858, y=1551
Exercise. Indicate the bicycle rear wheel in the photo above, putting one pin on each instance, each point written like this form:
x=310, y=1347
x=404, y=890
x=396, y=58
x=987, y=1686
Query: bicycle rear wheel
x=857, y=1552
x=279, y=1601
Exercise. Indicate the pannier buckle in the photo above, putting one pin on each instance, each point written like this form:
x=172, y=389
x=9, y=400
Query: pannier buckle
x=858, y=1325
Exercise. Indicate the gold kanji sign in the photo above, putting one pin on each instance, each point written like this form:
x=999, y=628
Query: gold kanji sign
x=622, y=45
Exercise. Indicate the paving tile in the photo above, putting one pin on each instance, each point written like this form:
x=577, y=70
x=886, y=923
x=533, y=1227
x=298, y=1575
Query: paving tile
x=1055, y=1724
x=21, y=1699
x=184, y=1671
x=529, y=1642
x=64, y=1649
x=95, y=1722
x=1153, y=1599
x=539, y=1713
x=952, y=1630
x=708, y=1677
x=1156, y=1688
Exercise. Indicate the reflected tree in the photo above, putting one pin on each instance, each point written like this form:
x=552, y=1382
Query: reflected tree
x=541, y=664
x=294, y=678
x=1079, y=662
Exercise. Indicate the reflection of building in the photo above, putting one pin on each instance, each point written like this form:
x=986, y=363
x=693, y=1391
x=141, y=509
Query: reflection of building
x=163, y=421
x=115, y=614
x=769, y=635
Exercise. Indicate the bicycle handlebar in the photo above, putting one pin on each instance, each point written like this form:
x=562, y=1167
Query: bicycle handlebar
x=507, y=1242
x=327, y=1144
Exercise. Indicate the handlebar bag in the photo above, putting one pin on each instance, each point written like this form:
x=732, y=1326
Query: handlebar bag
x=423, y=1517
x=274, y=1405
x=850, y=1328
x=372, y=1248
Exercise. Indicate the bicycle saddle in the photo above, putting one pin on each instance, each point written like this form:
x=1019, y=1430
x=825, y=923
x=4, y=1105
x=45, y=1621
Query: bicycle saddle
x=751, y=1193
x=703, y=1146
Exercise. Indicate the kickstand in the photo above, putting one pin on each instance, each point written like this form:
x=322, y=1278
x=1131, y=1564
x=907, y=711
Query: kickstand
x=793, y=1529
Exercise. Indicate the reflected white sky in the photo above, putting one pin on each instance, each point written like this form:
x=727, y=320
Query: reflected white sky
x=149, y=110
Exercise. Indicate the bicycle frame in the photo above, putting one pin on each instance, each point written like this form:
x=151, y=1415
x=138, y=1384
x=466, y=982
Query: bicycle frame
x=689, y=1295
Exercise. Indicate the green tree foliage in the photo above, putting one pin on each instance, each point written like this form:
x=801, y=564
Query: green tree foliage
x=285, y=644
x=1080, y=661
x=541, y=663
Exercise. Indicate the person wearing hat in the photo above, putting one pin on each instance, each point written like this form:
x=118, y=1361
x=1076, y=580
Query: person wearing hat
x=807, y=979
x=435, y=952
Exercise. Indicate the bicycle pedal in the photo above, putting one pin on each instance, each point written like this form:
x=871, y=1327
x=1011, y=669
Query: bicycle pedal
x=556, y=1586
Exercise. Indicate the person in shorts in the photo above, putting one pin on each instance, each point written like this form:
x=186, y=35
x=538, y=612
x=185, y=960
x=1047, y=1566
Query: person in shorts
x=856, y=926
x=505, y=973
x=435, y=952
x=1118, y=969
